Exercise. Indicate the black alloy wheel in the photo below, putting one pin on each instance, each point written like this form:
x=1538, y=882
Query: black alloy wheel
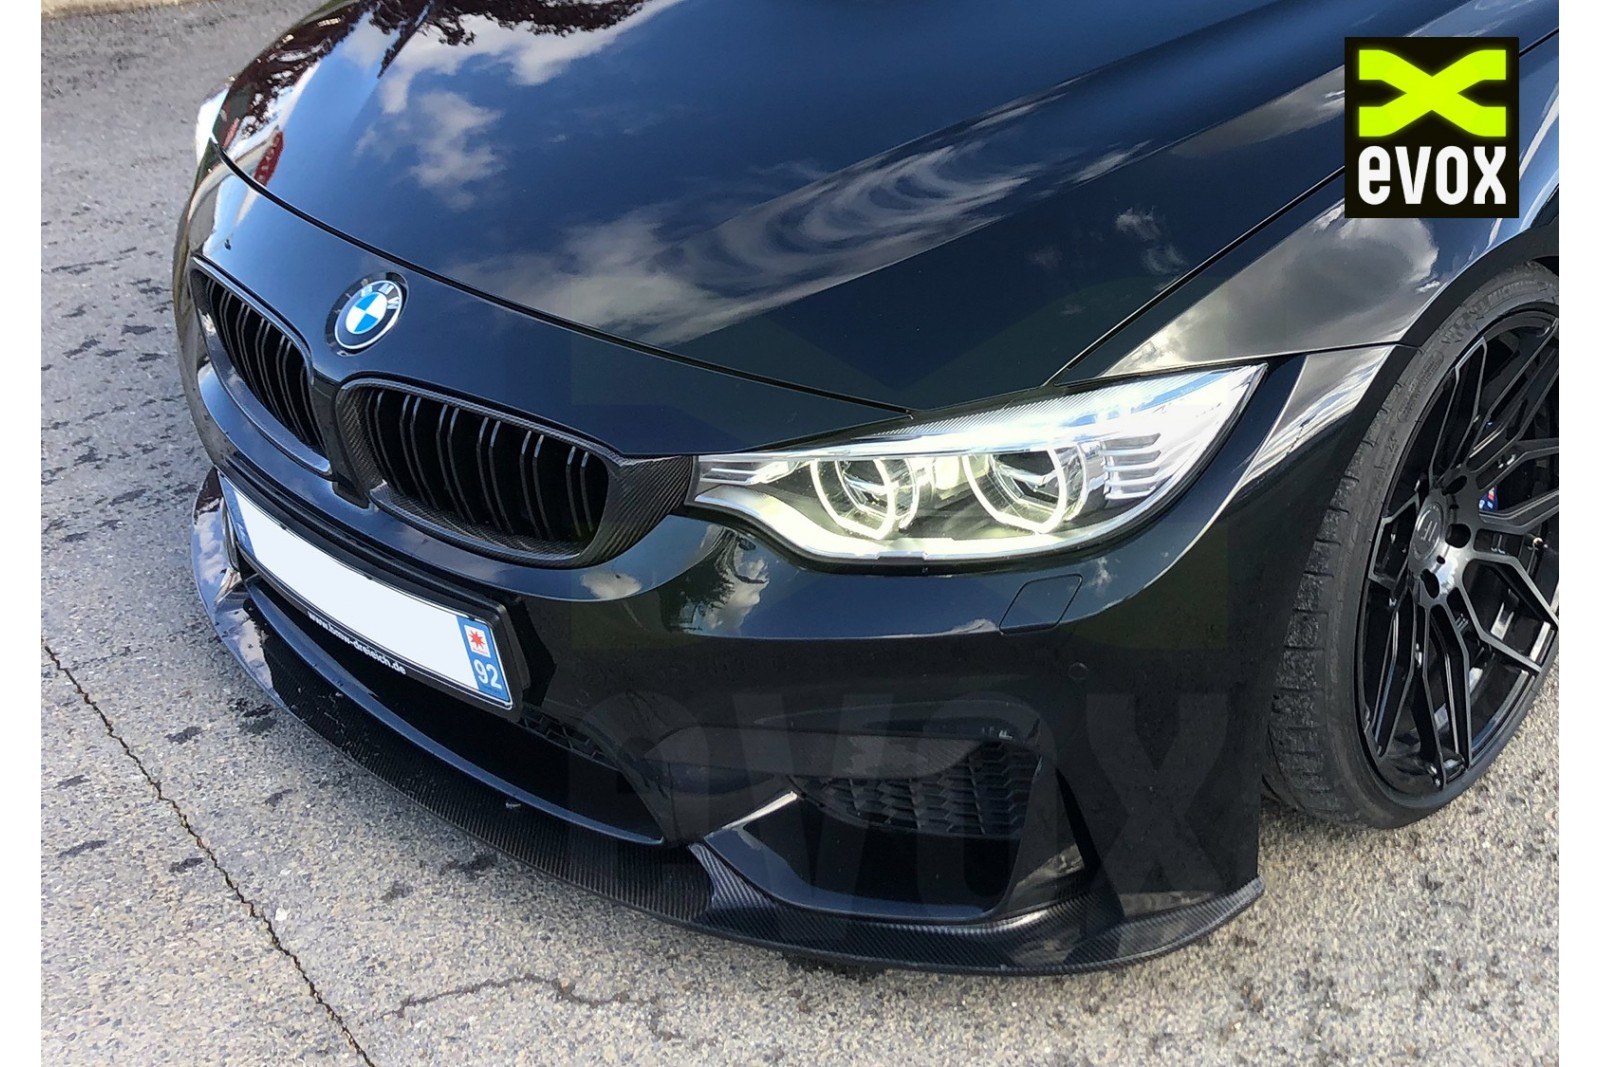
x=1426, y=620
x=1460, y=608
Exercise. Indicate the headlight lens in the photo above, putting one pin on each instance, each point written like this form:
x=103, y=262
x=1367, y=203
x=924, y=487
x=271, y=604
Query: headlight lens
x=206, y=120
x=1038, y=475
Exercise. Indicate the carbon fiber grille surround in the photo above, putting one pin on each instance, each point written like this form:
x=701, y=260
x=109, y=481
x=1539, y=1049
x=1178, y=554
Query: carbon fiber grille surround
x=265, y=359
x=497, y=482
x=983, y=795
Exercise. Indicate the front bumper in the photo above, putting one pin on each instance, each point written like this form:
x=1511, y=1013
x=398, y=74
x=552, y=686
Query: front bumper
x=1041, y=768
x=691, y=884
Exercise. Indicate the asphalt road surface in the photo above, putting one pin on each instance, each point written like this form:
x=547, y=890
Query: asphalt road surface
x=221, y=887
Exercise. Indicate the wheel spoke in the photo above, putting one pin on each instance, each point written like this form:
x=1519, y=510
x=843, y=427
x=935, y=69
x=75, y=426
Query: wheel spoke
x=1521, y=584
x=1427, y=722
x=1436, y=462
x=1411, y=503
x=1383, y=571
x=1516, y=378
x=1493, y=469
x=1399, y=672
x=1462, y=416
x=1550, y=566
x=1535, y=448
x=1517, y=403
x=1439, y=457
x=1494, y=644
x=1457, y=663
x=1378, y=577
x=1524, y=518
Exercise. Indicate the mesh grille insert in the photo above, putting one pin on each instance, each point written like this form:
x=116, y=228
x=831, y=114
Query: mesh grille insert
x=984, y=795
x=564, y=736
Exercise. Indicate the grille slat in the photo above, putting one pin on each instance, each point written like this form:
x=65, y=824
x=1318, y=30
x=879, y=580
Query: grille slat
x=221, y=317
x=487, y=464
x=530, y=467
x=475, y=473
x=408, y=447
x=257, y=338
x=305, y=416
x=251, y=360
x=281, y=380
x=266, y=370
x=585, y=487
x=236, y=322
x=264, y=358
x=484, y=492
x=375, y=401
x=572, y=485
x=235, y=318
x=284, y=384
x=474, y=490
x=453, y=490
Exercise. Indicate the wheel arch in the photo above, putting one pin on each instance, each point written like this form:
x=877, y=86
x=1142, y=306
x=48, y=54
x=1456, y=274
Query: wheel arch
x=1538, y=243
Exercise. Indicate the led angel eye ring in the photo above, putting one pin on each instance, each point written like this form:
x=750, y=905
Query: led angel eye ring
x=889, y=487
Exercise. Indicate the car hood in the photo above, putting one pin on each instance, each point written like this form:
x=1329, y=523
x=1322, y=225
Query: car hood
x=913, y=202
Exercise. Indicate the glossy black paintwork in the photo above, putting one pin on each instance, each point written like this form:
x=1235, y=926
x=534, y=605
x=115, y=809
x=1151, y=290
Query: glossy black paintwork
x=636, y=403
x=780, y=188
x=1313, y=279
x=713, y=665
x=710, y=664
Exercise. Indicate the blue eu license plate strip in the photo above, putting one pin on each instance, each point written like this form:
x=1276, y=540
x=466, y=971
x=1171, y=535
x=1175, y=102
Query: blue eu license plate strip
x=484, y=657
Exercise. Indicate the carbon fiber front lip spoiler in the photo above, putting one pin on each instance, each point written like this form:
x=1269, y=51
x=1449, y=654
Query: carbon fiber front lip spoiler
x=691, y=886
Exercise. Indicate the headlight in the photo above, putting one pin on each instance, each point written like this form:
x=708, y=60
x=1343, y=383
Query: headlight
x=205, y=122
x=1036, y=476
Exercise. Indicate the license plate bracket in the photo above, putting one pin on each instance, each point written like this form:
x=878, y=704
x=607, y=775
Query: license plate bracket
x=441, y=639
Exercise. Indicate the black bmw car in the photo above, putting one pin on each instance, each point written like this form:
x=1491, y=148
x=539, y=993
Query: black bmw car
x=894, y=481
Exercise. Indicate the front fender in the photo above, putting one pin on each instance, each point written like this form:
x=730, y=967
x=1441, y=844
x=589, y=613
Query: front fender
x=1315, y=280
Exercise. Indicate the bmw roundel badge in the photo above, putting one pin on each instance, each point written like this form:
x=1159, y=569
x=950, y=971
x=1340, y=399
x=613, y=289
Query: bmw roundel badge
x=367, y=313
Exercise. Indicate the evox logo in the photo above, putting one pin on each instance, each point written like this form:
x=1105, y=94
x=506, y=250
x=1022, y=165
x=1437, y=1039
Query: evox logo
x=1430, y=127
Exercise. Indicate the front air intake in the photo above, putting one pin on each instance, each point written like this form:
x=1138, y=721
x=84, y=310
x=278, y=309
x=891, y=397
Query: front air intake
x=984, y=795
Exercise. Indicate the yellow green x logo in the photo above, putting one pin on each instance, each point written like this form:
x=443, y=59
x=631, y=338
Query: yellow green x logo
x=1437, y=93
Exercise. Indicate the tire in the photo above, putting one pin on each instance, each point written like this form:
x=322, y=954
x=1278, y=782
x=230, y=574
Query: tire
x=1339, y=675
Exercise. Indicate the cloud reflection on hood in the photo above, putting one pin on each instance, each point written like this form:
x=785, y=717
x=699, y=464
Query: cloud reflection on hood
x=629, y=275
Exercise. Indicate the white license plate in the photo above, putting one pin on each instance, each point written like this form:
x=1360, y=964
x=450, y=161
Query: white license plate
x=395, y=627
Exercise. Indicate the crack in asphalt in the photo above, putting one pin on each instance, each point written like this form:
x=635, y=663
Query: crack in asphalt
x=563, y=988
x=254, y=909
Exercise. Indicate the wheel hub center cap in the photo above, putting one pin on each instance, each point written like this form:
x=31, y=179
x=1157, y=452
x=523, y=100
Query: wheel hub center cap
x=1427, y=541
